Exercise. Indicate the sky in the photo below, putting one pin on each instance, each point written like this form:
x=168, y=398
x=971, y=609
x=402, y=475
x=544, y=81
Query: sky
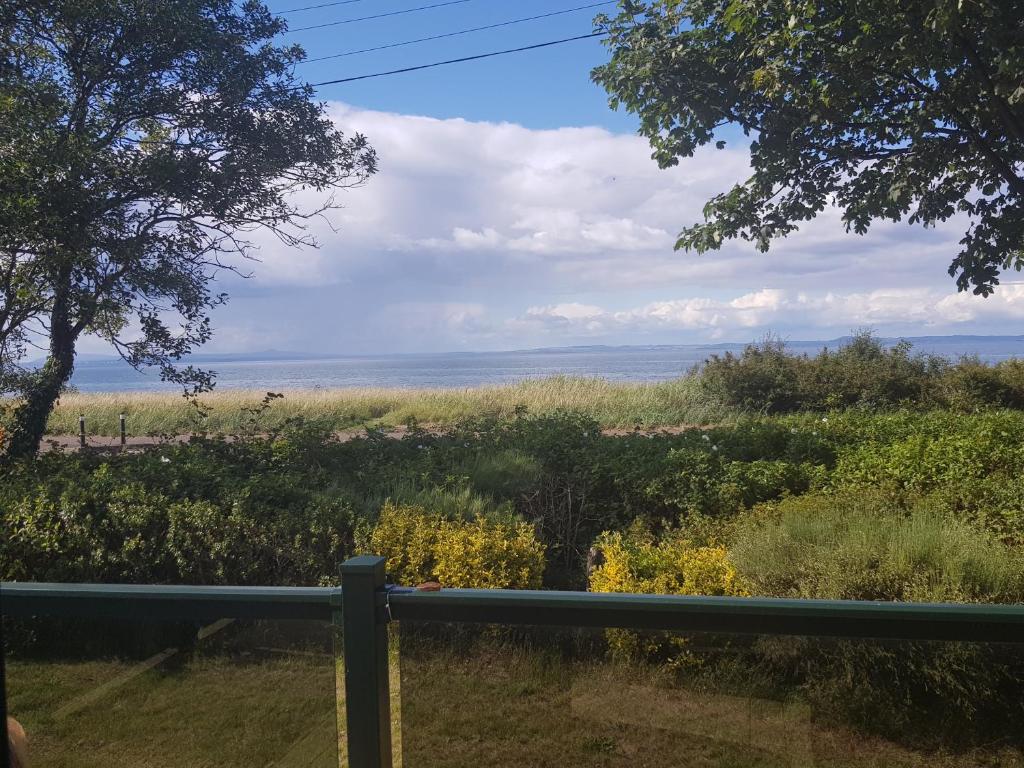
x=513, y=209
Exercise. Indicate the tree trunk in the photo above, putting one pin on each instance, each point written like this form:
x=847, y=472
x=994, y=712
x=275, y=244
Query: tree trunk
x=45, y=386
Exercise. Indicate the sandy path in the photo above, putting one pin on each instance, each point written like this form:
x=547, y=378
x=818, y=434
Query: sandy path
x=110, y=444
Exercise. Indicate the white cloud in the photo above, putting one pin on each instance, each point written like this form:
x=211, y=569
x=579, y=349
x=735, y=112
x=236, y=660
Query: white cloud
x=489, y=235
x=771, y=309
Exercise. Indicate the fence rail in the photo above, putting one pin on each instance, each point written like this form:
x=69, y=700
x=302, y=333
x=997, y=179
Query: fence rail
x=168, y=602
x=370, y=603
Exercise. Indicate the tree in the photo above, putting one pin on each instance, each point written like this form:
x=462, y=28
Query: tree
x=141, y=141
x=888, y=110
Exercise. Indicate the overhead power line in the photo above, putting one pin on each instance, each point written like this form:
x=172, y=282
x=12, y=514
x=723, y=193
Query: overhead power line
x=378, y=16
x=314, y=7
x=459, y=32
x=457, y=61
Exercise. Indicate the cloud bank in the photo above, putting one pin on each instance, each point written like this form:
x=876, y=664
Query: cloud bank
x=488, y=236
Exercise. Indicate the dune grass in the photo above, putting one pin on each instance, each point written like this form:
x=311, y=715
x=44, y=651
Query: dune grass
x=614, y=405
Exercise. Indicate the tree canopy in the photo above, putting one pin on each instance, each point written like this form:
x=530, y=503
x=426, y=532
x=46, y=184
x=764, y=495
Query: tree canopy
x=889, y=110
x=141, y=142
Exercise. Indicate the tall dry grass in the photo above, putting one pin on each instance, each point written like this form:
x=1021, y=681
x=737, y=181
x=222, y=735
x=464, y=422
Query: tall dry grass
x=614, y=405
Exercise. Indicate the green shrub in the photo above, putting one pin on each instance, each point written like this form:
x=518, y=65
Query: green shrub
x=855, y=545
x=859, y=544
x=994, y=503
x=85, y=516
x=707, y=483
x=451, y=503
x=862, y=373
x=928, y=694
x=506, y=474
x=764, y=378
x=208, y=512
x=972, y=385
x=970, y=466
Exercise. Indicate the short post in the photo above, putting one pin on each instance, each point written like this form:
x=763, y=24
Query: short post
x=81, y=430
x=367, y=693
x=121, y=419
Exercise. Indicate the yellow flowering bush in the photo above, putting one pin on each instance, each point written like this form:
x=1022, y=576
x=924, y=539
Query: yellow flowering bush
x=635, y=562
x=486, y=552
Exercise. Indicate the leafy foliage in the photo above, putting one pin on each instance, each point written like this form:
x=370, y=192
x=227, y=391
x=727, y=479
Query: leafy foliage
x=495, y=552
x=887, y=110
x=208, y=509
x=859, y=545
x=850, y=545
x=140, y=143
x=862, y=372
x=635, y=562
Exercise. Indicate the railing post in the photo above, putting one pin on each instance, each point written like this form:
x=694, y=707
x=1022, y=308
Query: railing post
x=365, y=636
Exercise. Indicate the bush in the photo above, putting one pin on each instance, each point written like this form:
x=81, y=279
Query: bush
x=705, y=482
x=933, y=695
x=972, y=385
x=864, y=373
x=764, y=378
x=508, y=474
x=204, y=513
x=496, y=552
x=635, y=562
x=855, y=545
x=859, y=544
x=287, y=509
x=971, y=467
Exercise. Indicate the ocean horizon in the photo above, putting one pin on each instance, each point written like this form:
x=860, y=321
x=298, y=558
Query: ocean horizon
x=274, y=370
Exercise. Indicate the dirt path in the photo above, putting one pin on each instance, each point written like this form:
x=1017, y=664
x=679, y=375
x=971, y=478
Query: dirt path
x=112, y=444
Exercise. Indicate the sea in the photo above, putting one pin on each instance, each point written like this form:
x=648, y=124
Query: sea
x=273, y=370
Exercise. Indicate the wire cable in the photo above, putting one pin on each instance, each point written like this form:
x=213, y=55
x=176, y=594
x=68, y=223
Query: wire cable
x=314, y=7
x=377, y=16
x=457, y=61
x=459, y=32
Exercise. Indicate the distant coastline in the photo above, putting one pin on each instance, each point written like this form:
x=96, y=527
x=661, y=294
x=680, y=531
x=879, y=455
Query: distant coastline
x=278, y=370
x=275, y=355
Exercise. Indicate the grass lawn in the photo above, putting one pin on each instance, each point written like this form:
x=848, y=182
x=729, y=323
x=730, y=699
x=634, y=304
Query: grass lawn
x=510, y=709
x=252, y=699
x=232, y=704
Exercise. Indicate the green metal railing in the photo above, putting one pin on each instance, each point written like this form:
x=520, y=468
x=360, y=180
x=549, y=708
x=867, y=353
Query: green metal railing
x=370, y=603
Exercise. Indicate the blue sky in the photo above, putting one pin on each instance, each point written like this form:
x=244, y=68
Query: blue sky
x=514, y=209
x=545, y=88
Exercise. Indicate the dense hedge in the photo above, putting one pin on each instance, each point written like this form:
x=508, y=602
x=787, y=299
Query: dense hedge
x=843, y=545
x=897, y=505
x=766, y=378
x=287, y=509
